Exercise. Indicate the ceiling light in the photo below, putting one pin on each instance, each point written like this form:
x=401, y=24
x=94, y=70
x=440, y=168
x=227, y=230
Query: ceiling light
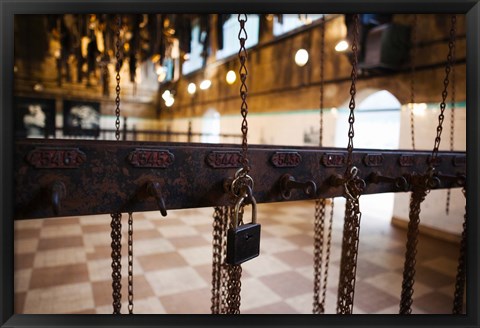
x=205, y=84
x=169, y=102
x=231, y=77
x=301, y=57
x=156, y=58
x=162, y=73
x=192, y=88
x=341, y=46
x=166, y=95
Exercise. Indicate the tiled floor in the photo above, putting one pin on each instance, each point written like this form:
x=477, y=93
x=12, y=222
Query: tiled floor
x=62, y=265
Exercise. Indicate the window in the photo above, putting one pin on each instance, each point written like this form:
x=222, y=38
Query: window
x=292, y=21
x=211, y=126
x=231, y=28
x=195, y=60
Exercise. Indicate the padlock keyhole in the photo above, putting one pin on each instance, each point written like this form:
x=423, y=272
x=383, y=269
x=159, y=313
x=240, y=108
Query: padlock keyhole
x=247, y=236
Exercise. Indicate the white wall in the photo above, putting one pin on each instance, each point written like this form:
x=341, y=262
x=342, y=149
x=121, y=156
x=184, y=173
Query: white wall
x=290, y=128
x=281, y=128
x=433, y=208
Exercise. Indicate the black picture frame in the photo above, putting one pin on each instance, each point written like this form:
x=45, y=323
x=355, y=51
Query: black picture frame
x=34, y=117
x=81, y=118
x=9, y=8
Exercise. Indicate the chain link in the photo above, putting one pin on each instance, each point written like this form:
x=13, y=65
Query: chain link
x=421, y=187
x=452, y=123
x=228, y=213
x=348, y=262
x=130, y=263
x=116, y=234
x=234, y=275
x=117, y=88
x=243, y=72
x=320, y=263
x=461, y=268
x=218, y=216
x=417, y=197
x=226, y=284
x=448, y=67
x=354, y=186
x=116, y=223
x=413, y=55
x=353, y=91
x=327, y=254
x=318, y=229
x=322, y=80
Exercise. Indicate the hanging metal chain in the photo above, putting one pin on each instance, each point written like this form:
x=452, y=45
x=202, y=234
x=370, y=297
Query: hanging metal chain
x=351, y=233
x=421, y=186
x=321, y=261
x=452, y=124
x=227, y=214
x=243, y=72
x=117, y=88
x=218, y=234
x=226, y=284
x=413, y=55
x=327, y=254
x=322, y=78
x=448, y=67
x=116, y=223
x=234, y=275
x=320, y=264
x=130, y=263
x=354, y=186
x=116, y=244
x=461, y=268
x=418, y=196
x=353, y=91
x=318, y=229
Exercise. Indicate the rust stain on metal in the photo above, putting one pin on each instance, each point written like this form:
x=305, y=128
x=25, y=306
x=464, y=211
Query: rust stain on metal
x=151, y=158
x=286, y=159
x=333, y=160
x=459, y=160
x=56, y=158
x=406, y=160
x=438, y=160
x=373, y=159
x=223, y=159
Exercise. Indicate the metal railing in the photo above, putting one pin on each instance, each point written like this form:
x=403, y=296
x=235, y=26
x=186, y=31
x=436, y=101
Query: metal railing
x=143, y=135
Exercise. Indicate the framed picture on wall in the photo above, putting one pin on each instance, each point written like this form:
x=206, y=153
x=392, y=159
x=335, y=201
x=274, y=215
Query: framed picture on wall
x=81, y=118
x=34, y=117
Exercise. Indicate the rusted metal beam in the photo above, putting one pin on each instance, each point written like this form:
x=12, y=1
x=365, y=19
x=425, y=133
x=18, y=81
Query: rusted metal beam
x=74, y=177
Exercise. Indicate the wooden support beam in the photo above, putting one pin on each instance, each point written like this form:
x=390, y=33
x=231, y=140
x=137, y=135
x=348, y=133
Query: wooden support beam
x=82, y=177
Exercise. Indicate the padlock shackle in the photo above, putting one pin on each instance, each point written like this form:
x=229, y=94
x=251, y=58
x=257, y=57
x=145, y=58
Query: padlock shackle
x=239, y=203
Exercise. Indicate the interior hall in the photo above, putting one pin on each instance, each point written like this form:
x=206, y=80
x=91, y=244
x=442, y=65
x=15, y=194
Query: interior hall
x=240, y=163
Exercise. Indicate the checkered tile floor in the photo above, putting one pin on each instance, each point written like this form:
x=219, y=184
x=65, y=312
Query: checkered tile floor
x=62, y=265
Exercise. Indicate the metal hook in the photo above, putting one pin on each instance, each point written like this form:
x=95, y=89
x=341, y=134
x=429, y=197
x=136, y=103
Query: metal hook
x=59, y=192
x=458, y=179
x=153, y=189
x=288, y=182
x=400, y=182
x=347, y=191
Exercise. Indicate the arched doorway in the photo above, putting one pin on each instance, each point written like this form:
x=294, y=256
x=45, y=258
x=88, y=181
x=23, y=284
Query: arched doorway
x=377, y=126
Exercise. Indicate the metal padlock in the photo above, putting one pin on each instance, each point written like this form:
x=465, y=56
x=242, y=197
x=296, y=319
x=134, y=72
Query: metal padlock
x=243, y=242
